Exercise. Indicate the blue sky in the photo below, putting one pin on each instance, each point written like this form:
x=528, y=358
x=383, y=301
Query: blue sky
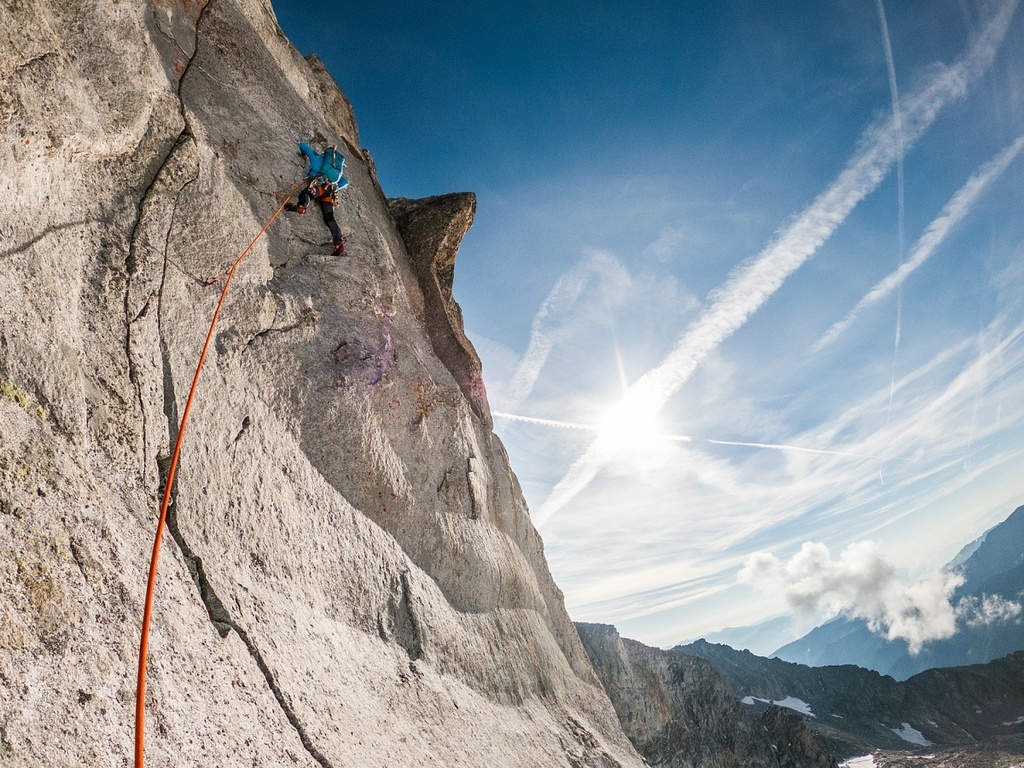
x=743, y=276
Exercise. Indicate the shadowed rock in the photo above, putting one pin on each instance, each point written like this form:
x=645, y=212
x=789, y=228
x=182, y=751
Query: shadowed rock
x=433, y=228
x=679, y=712
x=859, y=711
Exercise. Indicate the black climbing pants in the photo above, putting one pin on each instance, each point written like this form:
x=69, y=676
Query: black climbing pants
x=327, y=211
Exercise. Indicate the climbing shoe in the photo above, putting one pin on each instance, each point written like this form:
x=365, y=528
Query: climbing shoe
x=296, y=208
x=339, y=248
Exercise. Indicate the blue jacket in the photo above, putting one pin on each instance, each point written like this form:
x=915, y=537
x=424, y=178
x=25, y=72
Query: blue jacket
x=329, y=164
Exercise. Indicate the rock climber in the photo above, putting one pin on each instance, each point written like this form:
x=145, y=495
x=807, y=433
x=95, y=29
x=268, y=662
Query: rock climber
x=325, y=181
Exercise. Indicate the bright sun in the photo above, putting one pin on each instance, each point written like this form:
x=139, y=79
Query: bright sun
x=631, y=425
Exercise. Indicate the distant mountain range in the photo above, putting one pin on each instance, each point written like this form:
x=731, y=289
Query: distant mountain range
x=704, y=704
x=854, y=711
x=762, y=639
x=679, y=712
x=993, y=570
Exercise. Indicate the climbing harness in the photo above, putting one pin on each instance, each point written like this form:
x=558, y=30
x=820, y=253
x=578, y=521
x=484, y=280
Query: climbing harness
x=140, y=694
x=323, y=191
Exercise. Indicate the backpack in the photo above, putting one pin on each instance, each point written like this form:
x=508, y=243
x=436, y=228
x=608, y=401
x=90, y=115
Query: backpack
x=333, y=165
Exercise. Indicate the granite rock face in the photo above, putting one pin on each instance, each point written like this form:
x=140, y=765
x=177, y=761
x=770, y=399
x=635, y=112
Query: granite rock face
x=350, y=576
x=680, y=713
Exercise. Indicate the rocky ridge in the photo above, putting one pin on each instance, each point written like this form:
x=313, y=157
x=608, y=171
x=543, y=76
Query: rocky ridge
x=351, y=576
x=993, y=755
x=855, y=711
x=680, y=713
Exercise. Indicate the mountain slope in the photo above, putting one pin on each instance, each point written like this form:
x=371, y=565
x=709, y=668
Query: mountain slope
x=350, y=575
x=680, y=713
x=1000, y=551
x=855, y=711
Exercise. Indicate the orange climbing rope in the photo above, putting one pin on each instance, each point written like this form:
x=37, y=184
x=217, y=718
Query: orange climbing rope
x=140, y=695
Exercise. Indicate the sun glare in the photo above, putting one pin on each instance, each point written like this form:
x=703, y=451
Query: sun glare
x=631, y=425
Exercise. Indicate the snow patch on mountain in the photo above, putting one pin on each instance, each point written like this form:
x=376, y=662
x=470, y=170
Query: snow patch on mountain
x=790, y=702
x=910, y=734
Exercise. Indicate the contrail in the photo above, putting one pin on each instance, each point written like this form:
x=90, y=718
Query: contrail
x=563, y=296
x=751, y=284
x=951, y=214
x=688, y=439
x=546, y=422
x=897, y=120
x=801, y=449
x=571, y=424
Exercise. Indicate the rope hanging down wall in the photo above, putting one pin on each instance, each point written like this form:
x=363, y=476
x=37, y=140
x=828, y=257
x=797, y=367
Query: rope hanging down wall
x=140, y=694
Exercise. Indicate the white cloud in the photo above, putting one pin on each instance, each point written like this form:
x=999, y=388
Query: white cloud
x=989, y=609
x=863, y=584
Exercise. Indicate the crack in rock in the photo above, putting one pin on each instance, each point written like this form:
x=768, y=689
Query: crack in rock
x=302, y=322
x=246, y=422
x=412, y=640
x=224, y=623
x=218, y=613
x=29, y=62
x=132, y=267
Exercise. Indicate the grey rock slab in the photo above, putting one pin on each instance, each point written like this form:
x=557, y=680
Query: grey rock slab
x=349, y=575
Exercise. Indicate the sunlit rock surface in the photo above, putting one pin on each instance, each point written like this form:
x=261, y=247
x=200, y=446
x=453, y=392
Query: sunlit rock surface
x=350, y=577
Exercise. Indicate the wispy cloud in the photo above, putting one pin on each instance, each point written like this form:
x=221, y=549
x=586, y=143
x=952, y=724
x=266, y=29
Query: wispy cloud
x=545, y=422
x=667, y=242
x=897, y=119
x=751, y=284
x=951, y=215
x=553, y=319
